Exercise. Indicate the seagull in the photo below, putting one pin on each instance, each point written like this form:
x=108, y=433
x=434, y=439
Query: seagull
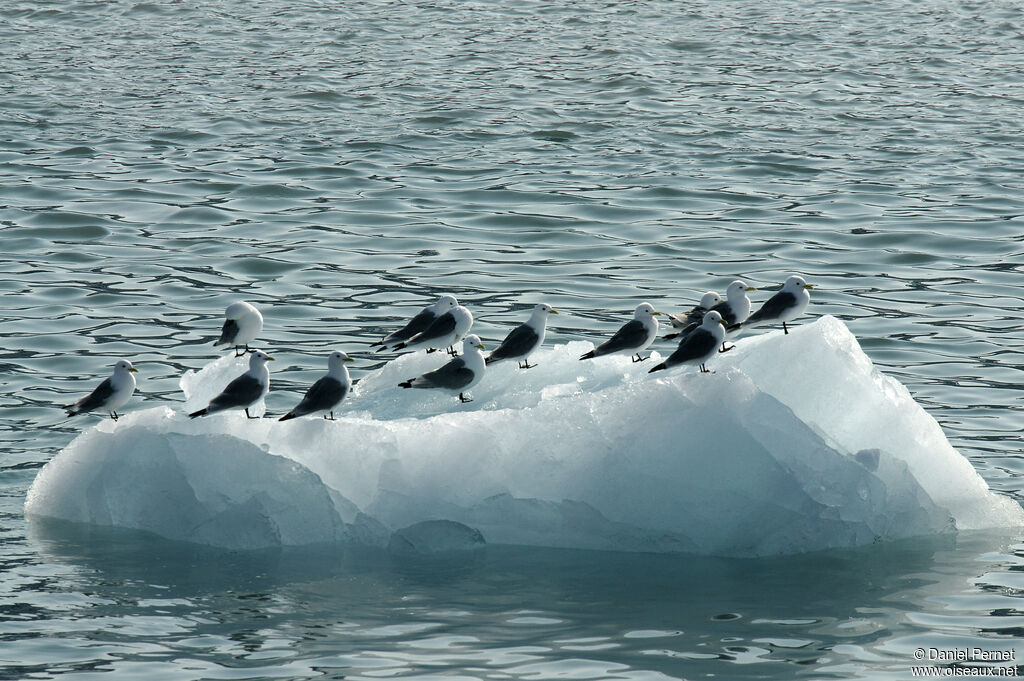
x=736, y=307
x=244, y=391
x=244, y=322
x=109, y=395
x=418, y=323
x=784, y=306
x=458, y=375
x=633, y=337
x=328, y=392
x=443, y=332
x=699, y=345
x=690, y=320
x=524, y=339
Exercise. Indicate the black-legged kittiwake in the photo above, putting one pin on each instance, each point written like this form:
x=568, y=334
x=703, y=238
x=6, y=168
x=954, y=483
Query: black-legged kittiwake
x=699, y=345
x=244, y=391
x=242, y=324
x=633, y=337
x=788, y=304
x=458, y=375
x=328, y=391
x=736, y=306
x=691, y=319
x=524, y=339
x=110, y=395
x=444, y=332
x=417, y=324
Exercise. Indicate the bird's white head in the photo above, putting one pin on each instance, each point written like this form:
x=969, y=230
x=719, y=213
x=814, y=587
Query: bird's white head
x=544, y=309
x=644, y=311
x=471, y=342
x=259, y=358
x=710, y=299
x=445, y=303
x=124, y=366
x=236, y=311
x=712, y=318
x=738, y=289
x=796, y=283
x=337, y=359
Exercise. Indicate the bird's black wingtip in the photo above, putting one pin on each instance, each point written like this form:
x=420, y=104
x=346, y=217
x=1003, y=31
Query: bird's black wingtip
x=406, y=384
x=195, y=414
x=287, y=417
x=589, y=355
x=657, y=368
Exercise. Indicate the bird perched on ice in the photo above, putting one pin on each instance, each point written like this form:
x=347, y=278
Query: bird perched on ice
x=699, y=345
x=691, y=319
x=110, y=395
x=458, y=375
x=524, y=339
x=244, y=391
x=786, y=305
x=634, y=336
x=244, y=322
x=443, y=332
x=736, y=307
x=419, y=323
x=328, y=392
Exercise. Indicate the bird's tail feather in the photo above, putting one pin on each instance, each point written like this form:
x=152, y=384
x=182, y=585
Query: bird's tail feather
x=589, y=355
x=201, y=412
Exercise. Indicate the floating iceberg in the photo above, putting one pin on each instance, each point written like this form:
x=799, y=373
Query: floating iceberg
x=795, y=443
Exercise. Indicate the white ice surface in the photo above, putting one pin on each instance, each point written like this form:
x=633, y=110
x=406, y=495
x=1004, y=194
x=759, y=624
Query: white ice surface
x=795, y=443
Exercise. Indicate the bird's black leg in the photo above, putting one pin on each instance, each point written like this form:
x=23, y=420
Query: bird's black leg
x=704, y=369
x=239, y=353
x=452, y=352
x=465, y=399
x=247, y=414
x=247, y=348
x=114, y=415
x=525, y=364
x=332, y=416
x=726, y=349
x=638, y=358
x=784, y=328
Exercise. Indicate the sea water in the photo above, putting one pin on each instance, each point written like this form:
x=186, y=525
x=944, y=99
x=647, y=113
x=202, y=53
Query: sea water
x=341, y=165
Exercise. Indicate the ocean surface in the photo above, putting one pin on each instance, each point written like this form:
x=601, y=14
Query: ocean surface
x=342, y=164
